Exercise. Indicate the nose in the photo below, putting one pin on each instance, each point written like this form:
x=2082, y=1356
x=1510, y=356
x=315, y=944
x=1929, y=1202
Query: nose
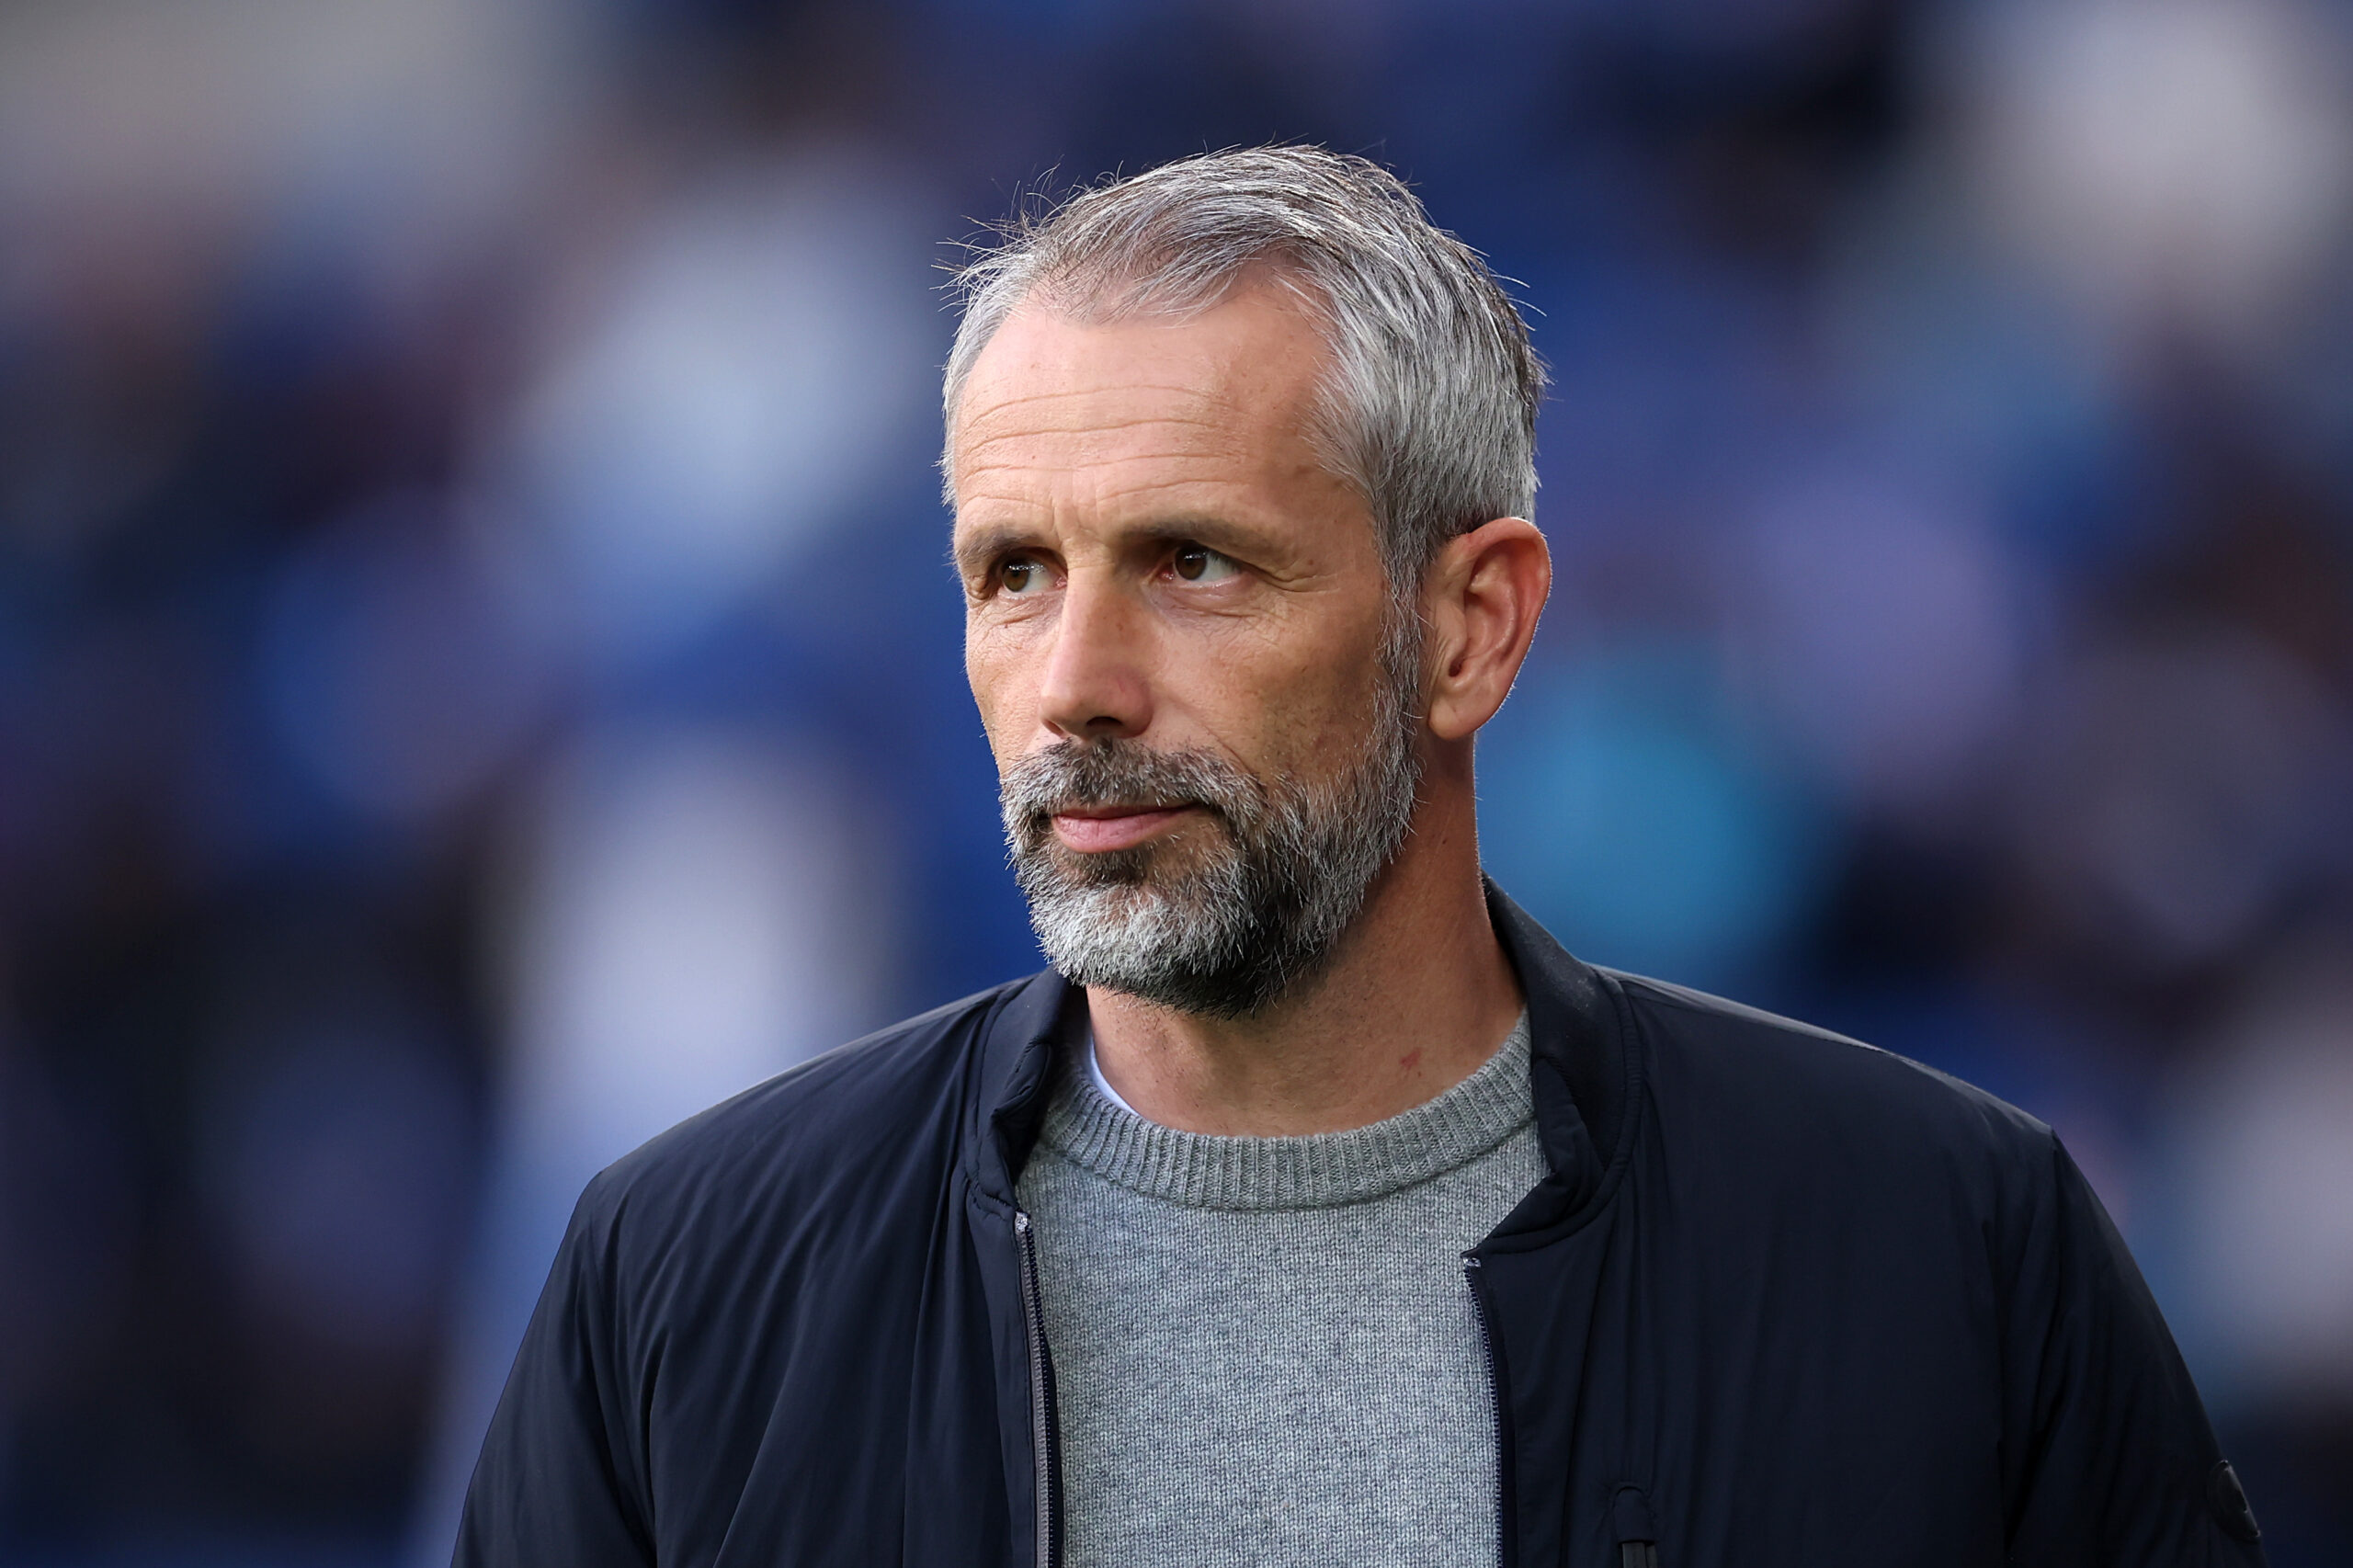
x=1094, y=685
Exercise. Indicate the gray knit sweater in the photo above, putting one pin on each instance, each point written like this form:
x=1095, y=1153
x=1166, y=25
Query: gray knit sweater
x=1264, y=1348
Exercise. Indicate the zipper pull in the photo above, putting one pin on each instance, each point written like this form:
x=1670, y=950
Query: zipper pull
x=1637, y=1529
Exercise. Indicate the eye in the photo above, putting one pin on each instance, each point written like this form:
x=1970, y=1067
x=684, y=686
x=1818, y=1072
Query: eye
x=1200, y=563
x=1021, y=576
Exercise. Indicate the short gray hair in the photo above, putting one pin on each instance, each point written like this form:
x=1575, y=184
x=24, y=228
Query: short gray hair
x=1430, y=409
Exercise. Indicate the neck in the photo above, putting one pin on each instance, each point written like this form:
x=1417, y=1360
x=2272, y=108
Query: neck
x=1417, y=994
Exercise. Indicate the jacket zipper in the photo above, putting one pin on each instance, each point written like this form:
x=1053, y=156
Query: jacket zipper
x=1505, y=1546
x=1041, y=1425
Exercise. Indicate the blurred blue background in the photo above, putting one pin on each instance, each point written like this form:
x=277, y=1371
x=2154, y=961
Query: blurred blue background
x=479, y=677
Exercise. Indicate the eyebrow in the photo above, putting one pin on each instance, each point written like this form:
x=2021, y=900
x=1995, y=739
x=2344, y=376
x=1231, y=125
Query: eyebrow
x=988, y=541
x=1219, y=533
x=985, y=544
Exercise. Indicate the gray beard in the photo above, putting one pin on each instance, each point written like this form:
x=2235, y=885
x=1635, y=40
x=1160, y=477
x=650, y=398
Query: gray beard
x=1227, y=913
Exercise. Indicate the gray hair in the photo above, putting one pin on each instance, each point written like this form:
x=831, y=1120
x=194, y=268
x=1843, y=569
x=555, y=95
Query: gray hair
x=1430, y=407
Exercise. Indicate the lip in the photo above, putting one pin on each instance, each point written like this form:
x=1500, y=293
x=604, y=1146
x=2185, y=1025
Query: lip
x=1098, y=829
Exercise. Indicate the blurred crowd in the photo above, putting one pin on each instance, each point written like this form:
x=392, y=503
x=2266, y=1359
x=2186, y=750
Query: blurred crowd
x=479, y=678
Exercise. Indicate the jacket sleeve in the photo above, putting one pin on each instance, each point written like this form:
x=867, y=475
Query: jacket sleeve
x=2109, y=1456
x=558, y=1484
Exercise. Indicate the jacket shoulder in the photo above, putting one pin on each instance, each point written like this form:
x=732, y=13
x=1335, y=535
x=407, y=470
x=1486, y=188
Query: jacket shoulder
x=1783, y=1078
x=888, y=1103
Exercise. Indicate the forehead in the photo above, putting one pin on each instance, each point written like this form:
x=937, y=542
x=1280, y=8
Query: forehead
x=1223, y=395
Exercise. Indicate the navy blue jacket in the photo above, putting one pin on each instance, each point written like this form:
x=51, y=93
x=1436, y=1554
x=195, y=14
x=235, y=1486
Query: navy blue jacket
x=1783, y=1299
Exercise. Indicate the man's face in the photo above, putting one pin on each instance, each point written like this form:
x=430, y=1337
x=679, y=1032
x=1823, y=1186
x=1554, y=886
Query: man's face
x=1179, y=633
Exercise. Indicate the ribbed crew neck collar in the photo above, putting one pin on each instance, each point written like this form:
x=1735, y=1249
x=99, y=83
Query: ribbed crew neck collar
x=1320, y=1171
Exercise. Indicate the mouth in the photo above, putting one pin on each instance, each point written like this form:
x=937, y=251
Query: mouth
x=1095, y=830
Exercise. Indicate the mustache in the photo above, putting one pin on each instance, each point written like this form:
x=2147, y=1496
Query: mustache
x=1082, y=775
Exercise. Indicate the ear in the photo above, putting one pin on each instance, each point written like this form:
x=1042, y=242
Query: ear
x=1480, y=602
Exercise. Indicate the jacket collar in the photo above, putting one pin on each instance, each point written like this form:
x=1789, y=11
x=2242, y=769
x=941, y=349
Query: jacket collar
x=1016, y=1063
x=1584, y=1073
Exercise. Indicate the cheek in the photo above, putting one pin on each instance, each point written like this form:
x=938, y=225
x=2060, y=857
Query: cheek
x=1295, y=696
x=993, y=670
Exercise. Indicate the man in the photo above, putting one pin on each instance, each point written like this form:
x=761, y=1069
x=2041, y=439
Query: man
x=1317, y=1208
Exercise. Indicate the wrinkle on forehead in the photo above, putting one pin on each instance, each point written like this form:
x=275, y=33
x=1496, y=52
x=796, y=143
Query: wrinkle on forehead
x=1069, y=417
x=1119, y=463
x=1241, y=376
x=1176, y=448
